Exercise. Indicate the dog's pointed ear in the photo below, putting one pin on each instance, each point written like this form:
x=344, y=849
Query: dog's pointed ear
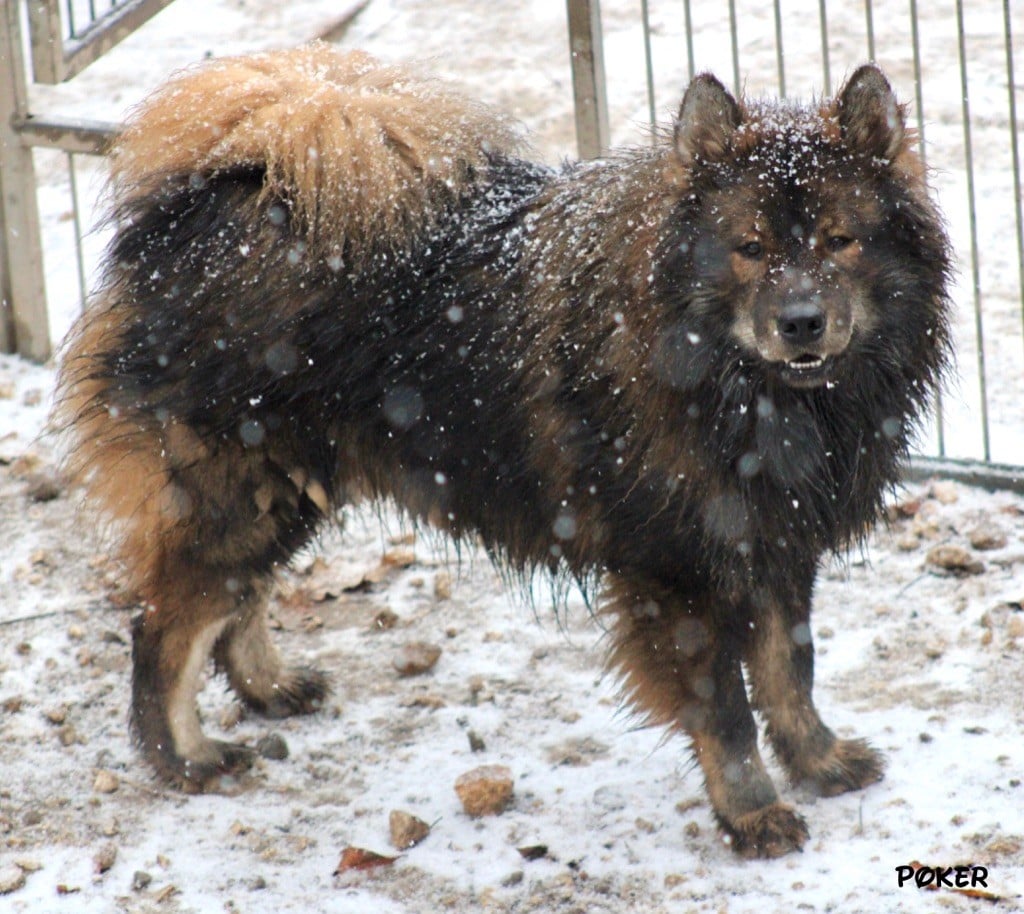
x=870, y=118
x=707, y=119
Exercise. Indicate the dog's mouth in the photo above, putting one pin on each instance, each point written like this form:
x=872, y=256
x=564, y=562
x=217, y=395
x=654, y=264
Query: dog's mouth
x=807, y=370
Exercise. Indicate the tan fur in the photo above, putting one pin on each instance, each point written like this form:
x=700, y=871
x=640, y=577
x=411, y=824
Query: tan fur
x=117, y=460
x=359, y=148
x=181, y=702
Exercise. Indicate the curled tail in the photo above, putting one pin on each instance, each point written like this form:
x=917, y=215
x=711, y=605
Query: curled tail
x=363, y=152
x=361, y=157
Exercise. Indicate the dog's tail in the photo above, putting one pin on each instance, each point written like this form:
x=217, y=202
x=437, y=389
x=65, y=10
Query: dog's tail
x=363, y=153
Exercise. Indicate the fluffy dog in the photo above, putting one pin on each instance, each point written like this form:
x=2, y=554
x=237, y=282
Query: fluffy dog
x=686, y=372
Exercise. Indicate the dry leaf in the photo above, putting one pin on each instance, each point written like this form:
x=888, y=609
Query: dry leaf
x=358, y=858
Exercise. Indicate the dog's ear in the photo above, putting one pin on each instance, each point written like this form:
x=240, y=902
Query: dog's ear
x=870, y=118
x=706, y=121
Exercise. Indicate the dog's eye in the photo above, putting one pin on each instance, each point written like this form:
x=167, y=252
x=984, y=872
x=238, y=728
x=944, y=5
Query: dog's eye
x=838, y=242
x=752, y=250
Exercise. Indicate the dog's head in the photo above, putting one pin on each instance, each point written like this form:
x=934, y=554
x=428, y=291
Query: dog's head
x=807, y=230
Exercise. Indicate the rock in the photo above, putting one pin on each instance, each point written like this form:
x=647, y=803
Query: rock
x=485, y=791
x=406, y=829
x=476, y=742
x=384, y=620
x=416, y=658
x=577, y=752
x=12, y=878
x=907, y=508
x=533, y=851
x=442, y=586
x=987, y=536
x=273, y=747
x=105, y=858
x=106, y=782
x=955, y=559
x=945, y=492
x=141, y=880
x=908, y=542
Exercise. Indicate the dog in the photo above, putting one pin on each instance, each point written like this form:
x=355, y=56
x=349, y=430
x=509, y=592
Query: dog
x=680, y=375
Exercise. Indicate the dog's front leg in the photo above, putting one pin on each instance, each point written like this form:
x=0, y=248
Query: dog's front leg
x=681, y=665
x=780, y=661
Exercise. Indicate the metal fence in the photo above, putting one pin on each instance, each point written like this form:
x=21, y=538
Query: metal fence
x=63, y=38
x=954, y=63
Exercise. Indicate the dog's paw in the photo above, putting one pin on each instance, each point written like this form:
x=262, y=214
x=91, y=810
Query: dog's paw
x=851, y=765
x=768, y=832
x=302, y=690
x=207, y=770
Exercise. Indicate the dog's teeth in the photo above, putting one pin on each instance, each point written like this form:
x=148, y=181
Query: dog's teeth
x=806, y=364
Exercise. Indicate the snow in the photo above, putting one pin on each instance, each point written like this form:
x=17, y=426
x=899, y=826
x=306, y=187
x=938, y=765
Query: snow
x=927, y=666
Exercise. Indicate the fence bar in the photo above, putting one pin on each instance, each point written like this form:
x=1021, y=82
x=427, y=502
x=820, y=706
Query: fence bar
x=688, y=16
x=24, y=321
x=991, y=476
x=70, y=135
x=735, y=42
x=586, y=47
x=652, y=113
x=76, y=215
x=915, y=43
x=973, y=223
x=869, y=15
x=1018, y=196
x=825, y=68
x=779, y=56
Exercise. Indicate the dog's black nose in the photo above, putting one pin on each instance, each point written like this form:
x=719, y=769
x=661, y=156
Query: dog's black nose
x=802, y=324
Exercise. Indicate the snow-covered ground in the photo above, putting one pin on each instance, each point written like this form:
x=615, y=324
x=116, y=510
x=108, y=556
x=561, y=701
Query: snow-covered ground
x=928, y=664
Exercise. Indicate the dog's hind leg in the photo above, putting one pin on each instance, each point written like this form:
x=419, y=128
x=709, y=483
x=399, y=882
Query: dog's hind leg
x=683, y=670
x=206, y=521
x=171, y=644
x=246, y=653
x=205, y=596
x=780, y=661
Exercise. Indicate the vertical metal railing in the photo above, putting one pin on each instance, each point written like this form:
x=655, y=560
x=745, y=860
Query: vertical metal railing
x=922, y=148
x=586, y=51
x=972, y=216
x=780, y=57
x=1018, y=194
x=24, y=322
